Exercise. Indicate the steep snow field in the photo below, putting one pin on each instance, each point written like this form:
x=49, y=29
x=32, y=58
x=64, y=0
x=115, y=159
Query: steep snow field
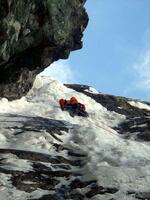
x=114, y=161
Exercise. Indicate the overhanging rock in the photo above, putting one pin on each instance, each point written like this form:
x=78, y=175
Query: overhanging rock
x=33, y=34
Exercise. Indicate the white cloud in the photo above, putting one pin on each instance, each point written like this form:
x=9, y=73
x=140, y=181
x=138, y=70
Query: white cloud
x=146, y=38
x=60, y=70
x=142, y=71
x=141, y=68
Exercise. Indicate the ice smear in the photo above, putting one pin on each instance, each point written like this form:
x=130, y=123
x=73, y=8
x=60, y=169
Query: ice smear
x=115, y=162
x=8, y=192
x=11, y=162
x=139, y=105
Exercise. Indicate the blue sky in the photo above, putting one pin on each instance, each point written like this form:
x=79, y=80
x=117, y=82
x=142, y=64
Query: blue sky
x=115, y=58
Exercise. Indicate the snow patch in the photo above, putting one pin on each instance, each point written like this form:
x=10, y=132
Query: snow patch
x=12, y=162
x=139, y=105
x=91, y=90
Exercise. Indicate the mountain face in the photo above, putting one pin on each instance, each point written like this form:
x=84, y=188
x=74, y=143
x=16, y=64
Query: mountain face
x=137, y=116
x=47, y=154
x=33, y=34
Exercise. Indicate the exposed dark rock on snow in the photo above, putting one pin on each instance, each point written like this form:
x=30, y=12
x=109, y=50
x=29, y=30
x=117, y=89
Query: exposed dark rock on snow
x=55, y=156
x=49, y=172
x=113, y=103
x=33, y=34
x=137, y=124
x=140, y=195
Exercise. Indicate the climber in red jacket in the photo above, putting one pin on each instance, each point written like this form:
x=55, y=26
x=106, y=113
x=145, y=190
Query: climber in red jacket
x=62, y=103
x=73, y=106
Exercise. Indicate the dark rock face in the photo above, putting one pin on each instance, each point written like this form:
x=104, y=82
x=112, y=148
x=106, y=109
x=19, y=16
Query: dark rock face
x=137, y=124
x=33, y=34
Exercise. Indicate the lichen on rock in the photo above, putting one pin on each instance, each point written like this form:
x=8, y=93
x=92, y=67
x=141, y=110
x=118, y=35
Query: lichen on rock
x=33, y=34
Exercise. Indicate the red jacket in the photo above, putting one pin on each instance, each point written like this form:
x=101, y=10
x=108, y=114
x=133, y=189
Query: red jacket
x=72, y=101
x=62, y=103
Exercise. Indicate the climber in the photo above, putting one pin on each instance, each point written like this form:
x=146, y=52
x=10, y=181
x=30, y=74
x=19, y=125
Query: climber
x=73, y=107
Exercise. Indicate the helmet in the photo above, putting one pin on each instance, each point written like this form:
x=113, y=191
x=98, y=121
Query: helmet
x=73, y=100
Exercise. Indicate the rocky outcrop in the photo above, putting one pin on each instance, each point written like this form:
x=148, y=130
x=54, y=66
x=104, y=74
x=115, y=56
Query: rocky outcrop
x=33, y=34
x=137, y=123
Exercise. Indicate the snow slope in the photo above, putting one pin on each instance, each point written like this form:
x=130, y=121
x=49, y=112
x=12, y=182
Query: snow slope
x=111, y=160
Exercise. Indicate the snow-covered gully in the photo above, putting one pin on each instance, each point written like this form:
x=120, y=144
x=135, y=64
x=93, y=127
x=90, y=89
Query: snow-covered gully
x=46, y=154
